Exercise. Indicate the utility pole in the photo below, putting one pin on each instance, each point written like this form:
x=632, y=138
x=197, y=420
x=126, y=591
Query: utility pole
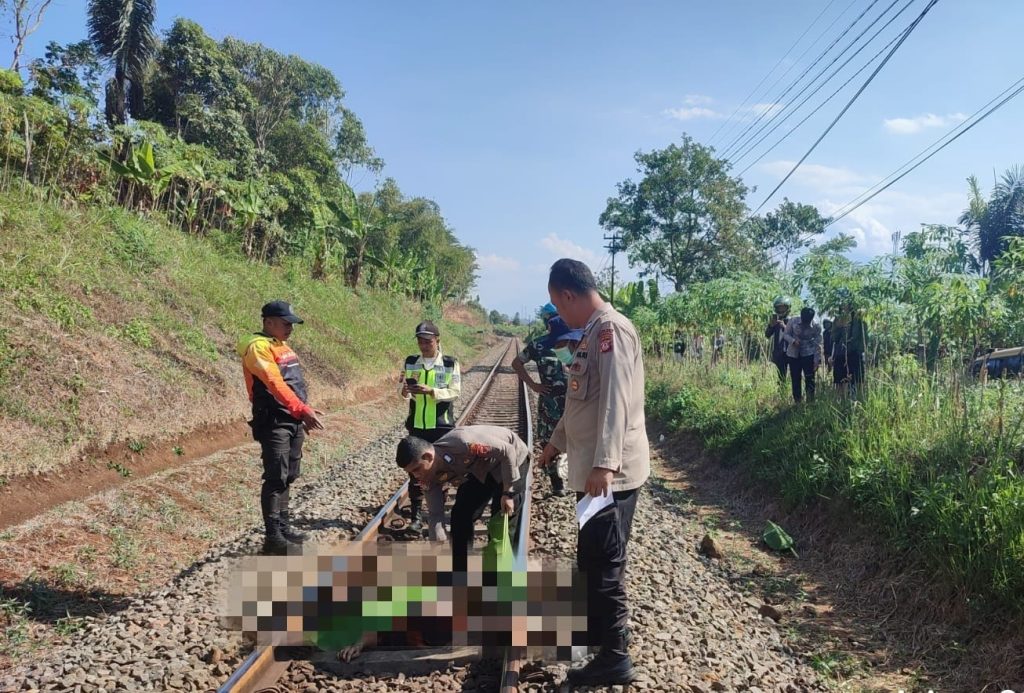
x=615, y=245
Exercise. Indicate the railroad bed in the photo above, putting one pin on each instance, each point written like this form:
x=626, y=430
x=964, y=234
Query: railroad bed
x=694, y=628
x=501, y=401
x=171, y=638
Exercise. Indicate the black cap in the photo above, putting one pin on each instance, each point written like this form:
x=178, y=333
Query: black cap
x=427, y=329
x=281, y=309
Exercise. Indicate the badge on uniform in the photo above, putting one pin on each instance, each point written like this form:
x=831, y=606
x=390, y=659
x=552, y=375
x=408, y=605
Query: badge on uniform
x=606, y=339
x=447, y=459
x=575, y=385
x=479, y=450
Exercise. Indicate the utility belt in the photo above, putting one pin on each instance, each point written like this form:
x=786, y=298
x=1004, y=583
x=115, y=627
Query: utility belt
x=264, y=420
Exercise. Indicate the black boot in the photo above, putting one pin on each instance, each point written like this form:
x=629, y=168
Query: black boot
x=415, y=521
x=611, y=666
x=557, y=485
x=275, y=543
x=290, y=534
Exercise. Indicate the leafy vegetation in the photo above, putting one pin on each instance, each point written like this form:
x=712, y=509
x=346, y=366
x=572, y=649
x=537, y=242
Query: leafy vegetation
x=227, y=138
x=930, y=456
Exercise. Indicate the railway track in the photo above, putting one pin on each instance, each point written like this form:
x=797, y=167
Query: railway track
x=502, y=401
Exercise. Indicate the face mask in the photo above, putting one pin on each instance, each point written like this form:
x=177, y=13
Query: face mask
x=564, y=355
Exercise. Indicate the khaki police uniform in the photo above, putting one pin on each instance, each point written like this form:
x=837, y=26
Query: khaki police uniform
x=488, y=460
x=604, y=426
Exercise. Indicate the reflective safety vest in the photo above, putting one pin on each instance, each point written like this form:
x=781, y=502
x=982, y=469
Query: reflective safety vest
x=425, y=412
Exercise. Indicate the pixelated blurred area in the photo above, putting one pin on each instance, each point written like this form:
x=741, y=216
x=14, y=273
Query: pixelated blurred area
x=405, y=595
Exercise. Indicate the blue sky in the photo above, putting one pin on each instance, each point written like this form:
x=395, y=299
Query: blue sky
x=520, y=118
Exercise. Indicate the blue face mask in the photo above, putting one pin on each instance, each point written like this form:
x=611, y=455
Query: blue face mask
x=564, y=354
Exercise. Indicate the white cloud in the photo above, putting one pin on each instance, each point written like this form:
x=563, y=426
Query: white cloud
x=830, y=188
x=497, y=263
x=697, y=100
x=764, y=109
x=562, y=247
x=911, y=126
x=691, y=113
x=817, y=176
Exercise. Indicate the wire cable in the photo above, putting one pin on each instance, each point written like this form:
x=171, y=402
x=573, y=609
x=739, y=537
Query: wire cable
x=769, y=73
x=775, y=116
x=817, y=108
x=906, y=34
x=792, y=85
x=938, y=145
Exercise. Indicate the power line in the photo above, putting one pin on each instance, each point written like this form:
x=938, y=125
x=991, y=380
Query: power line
x=938, y=145
x=817, y=108
x=793, y=84
x=799, y=58
x=776, y=115
x=850, y=103
x=769, y=73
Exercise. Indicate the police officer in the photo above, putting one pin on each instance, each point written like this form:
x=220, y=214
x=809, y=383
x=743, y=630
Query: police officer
x=603, y=431
x=431, y=381
x=775, y=330
x=551, y=388
x=280, y=418
x=490, y=461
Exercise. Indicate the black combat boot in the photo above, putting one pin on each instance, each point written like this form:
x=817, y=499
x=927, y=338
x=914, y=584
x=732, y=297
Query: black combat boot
x=557, y=485
x=290, y=534
x=275, y=543
x=612, y=665
x=415, y=521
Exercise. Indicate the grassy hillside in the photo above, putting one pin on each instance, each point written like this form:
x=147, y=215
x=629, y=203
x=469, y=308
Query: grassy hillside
x=120, y=328
x=931, y=462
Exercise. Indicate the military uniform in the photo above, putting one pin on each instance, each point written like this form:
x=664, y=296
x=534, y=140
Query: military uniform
x=604, y=426
x=551, y=405
x=488, y=460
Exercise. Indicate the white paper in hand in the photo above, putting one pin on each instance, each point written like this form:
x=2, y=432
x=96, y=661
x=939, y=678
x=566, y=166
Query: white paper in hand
x=588, y=506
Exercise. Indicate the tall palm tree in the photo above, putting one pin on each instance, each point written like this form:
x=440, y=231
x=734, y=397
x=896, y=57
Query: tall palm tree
x=122, y=32
x=1004, y=215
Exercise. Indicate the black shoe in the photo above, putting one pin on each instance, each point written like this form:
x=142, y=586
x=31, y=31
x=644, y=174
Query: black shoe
x=288, y=533
x=417, y=525
x=612, y=666
x=557, y=486
x=277, y=545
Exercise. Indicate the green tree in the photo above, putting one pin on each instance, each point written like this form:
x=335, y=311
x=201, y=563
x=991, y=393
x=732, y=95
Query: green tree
x=788, y=230
x=121, y=31
x=67, y=72
x=1003, y=216
x=682, y=220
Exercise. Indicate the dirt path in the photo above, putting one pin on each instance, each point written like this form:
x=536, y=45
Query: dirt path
x=120, y=536
x=865, y=618
x=22, y=498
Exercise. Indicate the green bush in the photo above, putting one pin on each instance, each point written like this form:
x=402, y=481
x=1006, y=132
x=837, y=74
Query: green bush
x=934, y=463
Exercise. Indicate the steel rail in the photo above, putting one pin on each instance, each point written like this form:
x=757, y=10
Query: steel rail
x=261, y=670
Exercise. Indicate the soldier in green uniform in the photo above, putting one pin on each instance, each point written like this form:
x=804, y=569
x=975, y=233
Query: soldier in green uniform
x=551, y=388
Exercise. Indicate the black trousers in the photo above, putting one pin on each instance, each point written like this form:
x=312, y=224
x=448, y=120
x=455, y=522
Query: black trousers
x=782, y=363
x=430, y=435
x=281, y=443
x=471, y=499
x=601, y=557
x=802, y=366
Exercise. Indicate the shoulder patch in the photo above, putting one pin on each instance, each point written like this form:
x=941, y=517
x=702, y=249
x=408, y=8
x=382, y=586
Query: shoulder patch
x=606, y=339
x=448, y=361
x=479, y=449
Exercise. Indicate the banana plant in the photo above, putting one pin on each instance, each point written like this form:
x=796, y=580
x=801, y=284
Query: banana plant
x=140, y=172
